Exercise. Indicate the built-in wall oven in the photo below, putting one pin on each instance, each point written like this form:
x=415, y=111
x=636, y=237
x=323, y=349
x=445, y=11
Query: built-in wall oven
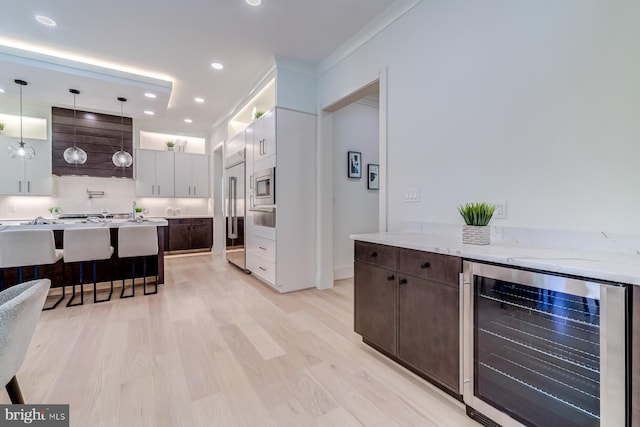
x=542, y=349
x=263, y=201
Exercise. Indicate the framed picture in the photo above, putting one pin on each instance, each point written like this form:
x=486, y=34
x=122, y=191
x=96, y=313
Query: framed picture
x=373, y=176
x=354, y=164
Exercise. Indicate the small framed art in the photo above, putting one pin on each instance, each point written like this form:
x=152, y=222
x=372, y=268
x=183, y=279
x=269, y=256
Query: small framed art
x=373, y=176
x=354, y=164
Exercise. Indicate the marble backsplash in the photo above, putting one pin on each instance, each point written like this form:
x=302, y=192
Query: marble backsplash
x=70, y=194
x=540, y=238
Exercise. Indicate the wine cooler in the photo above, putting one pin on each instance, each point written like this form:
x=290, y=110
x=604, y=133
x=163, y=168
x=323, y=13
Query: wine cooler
x=542, y=349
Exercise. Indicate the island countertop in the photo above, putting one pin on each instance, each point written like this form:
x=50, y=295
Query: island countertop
x=62, y=224
x=610, y=266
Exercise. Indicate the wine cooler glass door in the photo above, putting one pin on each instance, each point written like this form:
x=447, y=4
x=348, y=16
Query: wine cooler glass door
x=536, y=353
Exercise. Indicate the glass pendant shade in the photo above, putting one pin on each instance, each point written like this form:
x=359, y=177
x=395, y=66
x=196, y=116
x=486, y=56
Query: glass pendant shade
x=20, y=150
x=75, y=156
x=122, y=158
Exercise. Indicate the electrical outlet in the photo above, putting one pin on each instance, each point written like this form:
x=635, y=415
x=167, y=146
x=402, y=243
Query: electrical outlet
x=501, y=209
x=12, y=208
x=412, y=195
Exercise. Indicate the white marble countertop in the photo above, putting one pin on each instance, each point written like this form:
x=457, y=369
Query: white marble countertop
x=617, y=267
x=61, y=224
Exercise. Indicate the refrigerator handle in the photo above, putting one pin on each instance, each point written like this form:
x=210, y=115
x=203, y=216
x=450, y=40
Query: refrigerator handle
x=232, y=230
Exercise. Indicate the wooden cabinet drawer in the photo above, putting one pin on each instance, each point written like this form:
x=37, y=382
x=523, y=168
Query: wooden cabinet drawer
x=182, y=221
x=201, y=221
x=373, y=253
x=430, y=266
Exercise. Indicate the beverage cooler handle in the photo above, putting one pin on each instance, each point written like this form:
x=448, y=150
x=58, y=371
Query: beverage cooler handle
x=232, y=226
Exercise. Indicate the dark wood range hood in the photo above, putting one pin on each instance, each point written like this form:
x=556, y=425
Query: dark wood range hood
x=98, y=134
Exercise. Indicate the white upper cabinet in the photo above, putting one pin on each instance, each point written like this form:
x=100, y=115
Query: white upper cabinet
x=26, y=177
x=191, y=175
x=264, y=136
x=154, y=173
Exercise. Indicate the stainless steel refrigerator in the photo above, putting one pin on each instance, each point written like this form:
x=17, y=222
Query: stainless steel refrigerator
x=235, y=209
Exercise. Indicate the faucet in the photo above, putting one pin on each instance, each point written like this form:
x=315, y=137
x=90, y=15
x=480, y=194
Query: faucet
x=133, y=211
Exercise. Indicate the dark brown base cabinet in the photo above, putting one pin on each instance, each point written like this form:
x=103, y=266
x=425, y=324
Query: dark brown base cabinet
x=190, y=234
x=407, y=305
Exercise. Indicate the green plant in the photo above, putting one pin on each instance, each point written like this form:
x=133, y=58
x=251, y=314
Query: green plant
x=259, y=114
x=138, y=210
x=476, y=213
x=56, y=208
x=2, y=125
x=170, y=144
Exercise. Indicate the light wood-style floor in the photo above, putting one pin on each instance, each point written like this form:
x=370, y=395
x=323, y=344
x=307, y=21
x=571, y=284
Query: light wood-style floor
x=216, y=347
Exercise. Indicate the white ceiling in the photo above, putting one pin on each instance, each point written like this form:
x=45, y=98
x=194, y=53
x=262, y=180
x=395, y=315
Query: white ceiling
x=167, y=46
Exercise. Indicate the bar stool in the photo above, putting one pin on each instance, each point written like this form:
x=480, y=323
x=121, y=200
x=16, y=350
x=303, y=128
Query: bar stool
x=138, y=241
x=87, y=244
x=26, y=248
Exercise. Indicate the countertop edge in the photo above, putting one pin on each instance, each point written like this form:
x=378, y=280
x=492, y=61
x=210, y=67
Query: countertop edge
x=606, y=266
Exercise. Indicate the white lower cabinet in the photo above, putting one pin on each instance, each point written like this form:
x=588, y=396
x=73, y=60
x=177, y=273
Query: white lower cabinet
x=263, y=268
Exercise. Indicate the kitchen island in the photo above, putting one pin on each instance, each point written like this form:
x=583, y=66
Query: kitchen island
x=108, y=269
x=419, y=301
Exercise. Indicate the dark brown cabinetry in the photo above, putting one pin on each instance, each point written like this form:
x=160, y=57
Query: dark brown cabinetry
x=190, y=234
x=407, y=305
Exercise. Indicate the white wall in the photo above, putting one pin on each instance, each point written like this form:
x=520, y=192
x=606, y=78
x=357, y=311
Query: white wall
x=355, y=208
x=535, y=103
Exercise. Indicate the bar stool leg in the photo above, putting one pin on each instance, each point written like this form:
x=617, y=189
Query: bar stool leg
x=133, y=283
x=144, y=268
x=73, y=295
x=63, y=292
x=95, y=293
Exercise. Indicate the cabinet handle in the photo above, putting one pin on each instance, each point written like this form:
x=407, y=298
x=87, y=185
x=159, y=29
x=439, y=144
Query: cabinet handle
x=425, y=265
x=194, y=190
x=153, y=189
x=264, y=249
x=403, y=281
x=391, y=277
x=189, y=190
x=158, y=189
x=374, y=254
x=262, y=268
x=264, y=146
x=19, y=186
x=28, y=186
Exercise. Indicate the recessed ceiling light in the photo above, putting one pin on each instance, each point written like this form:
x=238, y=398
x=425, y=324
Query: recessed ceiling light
x=199, y=100
x=217, y=66
x=253, y=2
x=45, y=20
x=150, y=95
x=1, y=90
x=149, y=112
x=188, y=121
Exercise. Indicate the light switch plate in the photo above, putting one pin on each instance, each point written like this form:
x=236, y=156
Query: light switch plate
x=412, y=194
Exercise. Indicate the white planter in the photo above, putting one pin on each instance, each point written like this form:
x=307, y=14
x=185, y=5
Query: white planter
x=475, y=235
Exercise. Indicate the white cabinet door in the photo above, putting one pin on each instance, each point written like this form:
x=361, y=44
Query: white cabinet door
x=264, y=136
x=164, y=174
x=146, y=173
x=192, y=175
x=200, y=175
x=25, y=177
x=37, y=171
x=154, y=173
x=183, y=175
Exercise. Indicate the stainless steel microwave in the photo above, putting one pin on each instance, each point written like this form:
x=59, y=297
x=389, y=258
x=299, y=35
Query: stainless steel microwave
x=264, y=187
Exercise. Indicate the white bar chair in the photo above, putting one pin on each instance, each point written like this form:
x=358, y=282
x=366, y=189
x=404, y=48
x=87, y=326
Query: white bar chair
x=82, y=245
x=29, y=248
x=20, y=308
x=138, y=241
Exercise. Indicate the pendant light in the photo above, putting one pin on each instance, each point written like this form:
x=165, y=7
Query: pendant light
x=20, y=150
x=122, y=158
x=75, y=155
